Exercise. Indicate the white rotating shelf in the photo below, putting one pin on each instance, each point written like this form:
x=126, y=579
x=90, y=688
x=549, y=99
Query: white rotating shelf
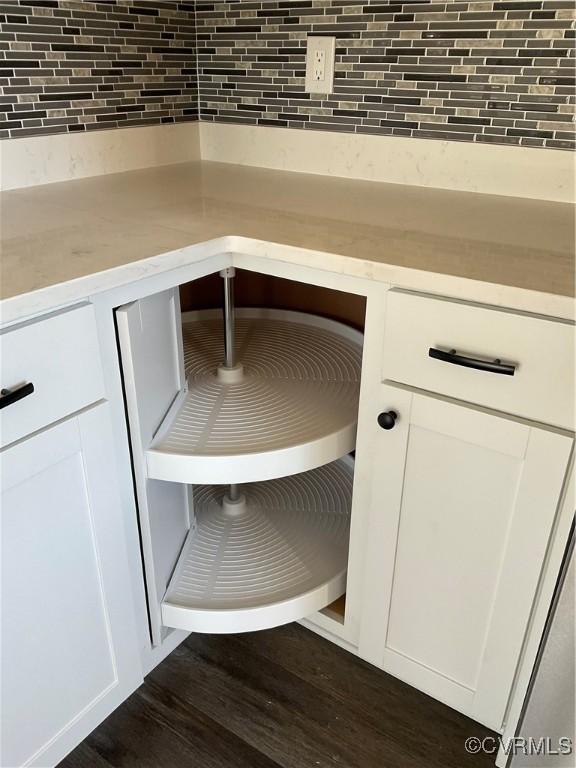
x=280, y=558
x=294, y=409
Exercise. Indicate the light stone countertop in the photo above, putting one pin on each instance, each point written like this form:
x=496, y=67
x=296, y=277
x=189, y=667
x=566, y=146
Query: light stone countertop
x=59, y=241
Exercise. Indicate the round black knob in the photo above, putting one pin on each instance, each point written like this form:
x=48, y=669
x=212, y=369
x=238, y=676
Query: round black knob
x=387, y=419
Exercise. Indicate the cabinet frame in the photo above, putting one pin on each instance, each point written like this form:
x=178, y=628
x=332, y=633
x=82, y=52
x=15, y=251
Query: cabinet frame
x=541, y=608
x=344, y=634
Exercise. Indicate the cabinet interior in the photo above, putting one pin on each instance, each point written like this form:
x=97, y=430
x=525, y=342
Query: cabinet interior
x=254, y=289
x=156, y=353
x=337, y=609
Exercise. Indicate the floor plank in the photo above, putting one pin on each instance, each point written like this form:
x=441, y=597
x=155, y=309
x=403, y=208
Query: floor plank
x=401, y=713
x=284, y=698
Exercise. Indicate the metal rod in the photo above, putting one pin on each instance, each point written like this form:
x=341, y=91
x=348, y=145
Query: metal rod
x=228, y=277
x=233, y=492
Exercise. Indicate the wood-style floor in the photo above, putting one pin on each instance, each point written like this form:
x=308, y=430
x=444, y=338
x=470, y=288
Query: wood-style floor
x=284, y=698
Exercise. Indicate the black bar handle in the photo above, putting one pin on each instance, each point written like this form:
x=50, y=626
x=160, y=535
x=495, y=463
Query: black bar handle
x=9, y=396
x=492, y=366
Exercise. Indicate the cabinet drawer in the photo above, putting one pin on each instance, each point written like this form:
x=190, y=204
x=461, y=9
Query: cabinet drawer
x=539, y=353
x=59, y=356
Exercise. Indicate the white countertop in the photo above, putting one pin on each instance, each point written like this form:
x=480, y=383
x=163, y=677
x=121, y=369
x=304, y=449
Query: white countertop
x=63, y=242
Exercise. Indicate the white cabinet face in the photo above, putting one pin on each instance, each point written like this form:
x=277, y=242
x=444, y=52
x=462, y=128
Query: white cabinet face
x=69, y=652
x=463, y=504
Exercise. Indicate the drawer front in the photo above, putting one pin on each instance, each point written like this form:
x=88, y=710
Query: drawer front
x=59, y=356
x=541, y=351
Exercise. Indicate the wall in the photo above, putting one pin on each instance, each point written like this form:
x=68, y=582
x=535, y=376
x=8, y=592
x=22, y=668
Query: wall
x=489, y=79
x=486, y=71
x=73, y=66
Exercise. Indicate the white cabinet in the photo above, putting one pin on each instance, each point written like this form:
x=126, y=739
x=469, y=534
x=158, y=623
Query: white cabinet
x=68, y=635
x=454, y=506
x=463, y=507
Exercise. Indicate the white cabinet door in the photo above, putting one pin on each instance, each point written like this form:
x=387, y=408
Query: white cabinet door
x=462, y=509
x=69, y=648
x=150, y=338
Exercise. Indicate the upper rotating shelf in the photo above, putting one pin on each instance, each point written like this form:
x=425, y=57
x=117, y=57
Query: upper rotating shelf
x=291, y=405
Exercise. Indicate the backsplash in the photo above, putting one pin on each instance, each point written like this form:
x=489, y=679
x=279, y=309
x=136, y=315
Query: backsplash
x=500, y=72
x=485, y=71
x=69, y=65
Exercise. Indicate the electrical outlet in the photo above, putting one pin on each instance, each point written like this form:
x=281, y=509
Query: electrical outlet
x=320, y=64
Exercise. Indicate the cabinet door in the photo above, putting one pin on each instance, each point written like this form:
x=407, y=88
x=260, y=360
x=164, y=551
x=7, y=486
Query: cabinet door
x=150, y=339
x=462, y=509
x=69, y=647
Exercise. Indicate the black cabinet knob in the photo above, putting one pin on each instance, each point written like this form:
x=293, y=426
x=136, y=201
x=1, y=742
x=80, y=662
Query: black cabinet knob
x=387, y=419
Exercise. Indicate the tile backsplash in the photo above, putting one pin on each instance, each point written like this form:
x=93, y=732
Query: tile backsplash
x=70, y=65
x=483, y=70
x=500, y=72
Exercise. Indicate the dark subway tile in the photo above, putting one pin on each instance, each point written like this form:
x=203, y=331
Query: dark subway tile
x=70, y=96
x=518, y=5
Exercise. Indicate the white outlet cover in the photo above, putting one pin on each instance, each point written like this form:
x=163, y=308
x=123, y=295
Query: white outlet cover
x=327, y=45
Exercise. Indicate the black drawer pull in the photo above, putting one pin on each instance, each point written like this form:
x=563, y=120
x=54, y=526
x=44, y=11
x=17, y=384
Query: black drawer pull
x=492, y=366
x=9, y=396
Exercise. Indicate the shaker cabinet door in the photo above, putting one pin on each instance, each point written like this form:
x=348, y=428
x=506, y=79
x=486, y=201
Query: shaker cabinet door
x=69, y=648
x=463, y=507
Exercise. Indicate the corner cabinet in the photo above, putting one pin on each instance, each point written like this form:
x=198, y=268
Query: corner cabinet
x=69, y=646
x=464, y=503
x=242, y=470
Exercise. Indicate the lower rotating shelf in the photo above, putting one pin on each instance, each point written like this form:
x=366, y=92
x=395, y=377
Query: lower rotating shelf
x=278, y=557
x=291, y=407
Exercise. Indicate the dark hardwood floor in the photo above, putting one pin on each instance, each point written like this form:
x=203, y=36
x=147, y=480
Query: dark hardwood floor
x=284, y=698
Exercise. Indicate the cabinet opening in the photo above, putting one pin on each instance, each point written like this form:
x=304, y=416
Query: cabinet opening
x=336, y=610
x=253, y=289
x=242, y=396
